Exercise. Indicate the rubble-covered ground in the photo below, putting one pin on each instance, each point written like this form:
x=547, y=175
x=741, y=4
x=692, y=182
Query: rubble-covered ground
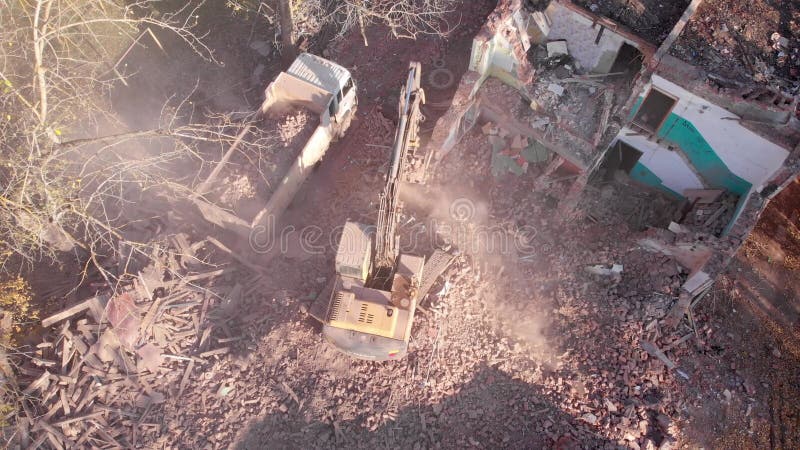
x=754, y=40
x=650, y=19
x=518, y=346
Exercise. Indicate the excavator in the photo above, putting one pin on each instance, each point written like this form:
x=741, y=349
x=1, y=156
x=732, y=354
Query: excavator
x=368, y=309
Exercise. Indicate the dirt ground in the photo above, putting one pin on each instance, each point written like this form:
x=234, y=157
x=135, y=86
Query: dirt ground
x=517, y=346
x=756, y=40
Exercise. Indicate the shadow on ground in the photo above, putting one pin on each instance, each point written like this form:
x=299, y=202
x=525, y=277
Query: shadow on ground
x=496, y=411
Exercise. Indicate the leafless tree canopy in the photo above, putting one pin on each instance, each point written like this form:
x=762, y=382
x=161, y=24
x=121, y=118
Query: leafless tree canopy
x=67, y=164
x=406, y=18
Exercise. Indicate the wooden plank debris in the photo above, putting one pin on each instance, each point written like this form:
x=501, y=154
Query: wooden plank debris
x=205, y=275
x=40, y=384
x=93, y=304
x=219, y=351
x=185, y=378
x=86, y=388
x=716, y=215
x=697, y=283
x=80, y=418
x=678, y=342
x=147, y=321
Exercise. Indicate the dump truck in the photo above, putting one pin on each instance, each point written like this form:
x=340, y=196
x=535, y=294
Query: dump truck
x=325, y=89
x=368, y=309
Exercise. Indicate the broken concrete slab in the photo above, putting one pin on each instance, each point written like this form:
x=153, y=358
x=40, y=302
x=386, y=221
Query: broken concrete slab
x=557, y=48
x=535, y=152
x=556, y=88
x=677, y=228
x=503, y=162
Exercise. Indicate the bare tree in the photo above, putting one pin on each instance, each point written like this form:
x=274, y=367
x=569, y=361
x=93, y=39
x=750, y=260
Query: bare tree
x=286, y=15
x=66, y=161
x=406, y=18
x=69, y=169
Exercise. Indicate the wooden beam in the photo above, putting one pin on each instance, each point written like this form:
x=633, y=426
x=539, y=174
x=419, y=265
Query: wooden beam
x=94, y=304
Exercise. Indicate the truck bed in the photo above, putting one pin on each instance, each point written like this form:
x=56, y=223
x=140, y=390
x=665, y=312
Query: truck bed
x=258, y=175
x=289, y=92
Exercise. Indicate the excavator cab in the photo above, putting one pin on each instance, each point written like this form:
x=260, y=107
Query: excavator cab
x=354, y=253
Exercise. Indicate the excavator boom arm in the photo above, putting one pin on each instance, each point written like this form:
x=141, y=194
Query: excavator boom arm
x=406, y=136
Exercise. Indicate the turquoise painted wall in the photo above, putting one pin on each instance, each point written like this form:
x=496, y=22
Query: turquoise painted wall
x=679, y=131
x=643, y=175
x=706, y=162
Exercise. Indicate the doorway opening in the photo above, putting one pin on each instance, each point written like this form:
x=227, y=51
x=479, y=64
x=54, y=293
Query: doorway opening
x=621, y=157
x=629, y=59
x=654, y=110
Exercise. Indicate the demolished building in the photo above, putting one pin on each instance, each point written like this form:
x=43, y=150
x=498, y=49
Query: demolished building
x=582, y=98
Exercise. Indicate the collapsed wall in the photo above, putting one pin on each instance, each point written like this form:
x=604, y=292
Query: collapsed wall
x=558, y=75
x=605, y=104
x=721, y=146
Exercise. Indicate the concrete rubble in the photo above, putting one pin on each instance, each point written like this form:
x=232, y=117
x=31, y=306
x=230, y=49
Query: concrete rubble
x=586, y=113
x=585, y=106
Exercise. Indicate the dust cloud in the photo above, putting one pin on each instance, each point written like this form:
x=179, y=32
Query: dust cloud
x=460, y=219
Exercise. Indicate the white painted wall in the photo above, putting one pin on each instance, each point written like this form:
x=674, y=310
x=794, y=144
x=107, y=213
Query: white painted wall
x=503, y=54
x=674, y=171
x=494, y=57
x=577, y=30
x=481, y=56
x=746, y=154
